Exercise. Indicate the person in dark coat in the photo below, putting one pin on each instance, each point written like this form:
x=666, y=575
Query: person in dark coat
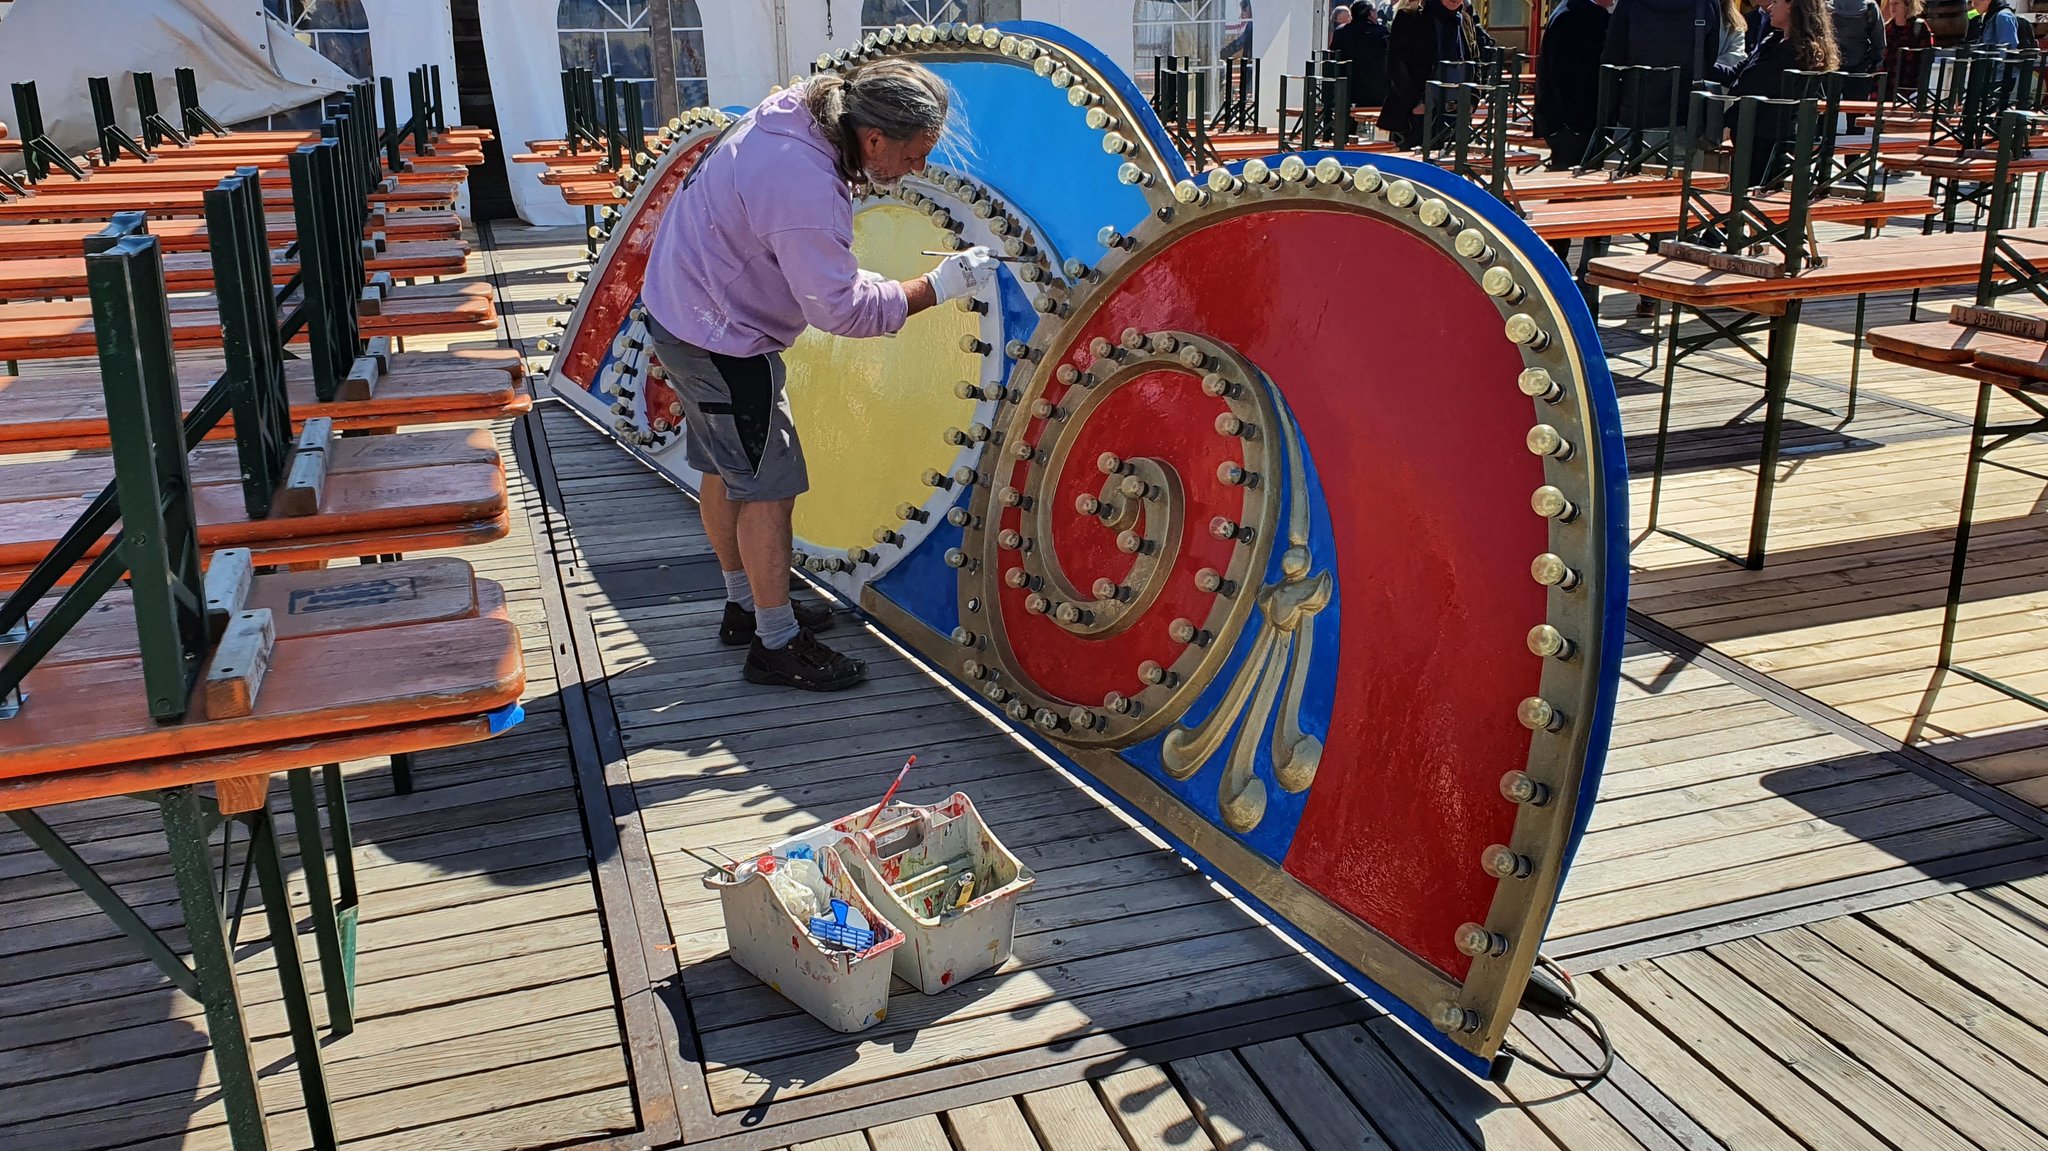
x=1361, y=42
x=1681, y=34
x=1568, y=78
x=1425, y=33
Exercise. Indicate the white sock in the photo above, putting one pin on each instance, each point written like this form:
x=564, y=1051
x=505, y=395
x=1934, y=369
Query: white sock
x=776, y=626
x=737, y=589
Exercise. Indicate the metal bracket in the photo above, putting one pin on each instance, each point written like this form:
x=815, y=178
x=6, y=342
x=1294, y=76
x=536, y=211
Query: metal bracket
x=12, y=699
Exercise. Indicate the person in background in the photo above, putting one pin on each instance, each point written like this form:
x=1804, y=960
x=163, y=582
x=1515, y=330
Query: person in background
x=1568, y=79
x=757, y=247
x=1907, y=41
x=1801, y=39
x=1756, y=21
x=1996, y=25
x=1425, y=34
x=1859, y=40
x=1369, y=64
x=1344, y=41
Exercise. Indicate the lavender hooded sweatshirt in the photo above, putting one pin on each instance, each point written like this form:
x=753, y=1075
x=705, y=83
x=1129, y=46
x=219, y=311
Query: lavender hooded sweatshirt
x=761, y=244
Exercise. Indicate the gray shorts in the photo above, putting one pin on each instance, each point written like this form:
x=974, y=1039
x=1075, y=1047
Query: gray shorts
x=736, y=421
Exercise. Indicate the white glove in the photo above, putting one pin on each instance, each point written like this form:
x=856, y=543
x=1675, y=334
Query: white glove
x=961, y=274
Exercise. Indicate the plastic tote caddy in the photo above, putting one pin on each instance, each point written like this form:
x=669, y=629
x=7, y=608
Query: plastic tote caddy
x=807, y=958
x=943, y=880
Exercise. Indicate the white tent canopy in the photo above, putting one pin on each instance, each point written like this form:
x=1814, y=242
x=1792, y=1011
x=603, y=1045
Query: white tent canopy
x=248, y=64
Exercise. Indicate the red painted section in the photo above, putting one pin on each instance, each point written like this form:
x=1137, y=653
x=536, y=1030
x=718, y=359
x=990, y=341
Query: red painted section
x=610, y=298
x=1394, y=364
x=1163, y=416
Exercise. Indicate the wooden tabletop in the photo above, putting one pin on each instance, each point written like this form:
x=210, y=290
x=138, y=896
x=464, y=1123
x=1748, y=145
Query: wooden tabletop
x=49, y=277
x=27, y=241
x=71, y=200
x=1651, y=214
x=1939, y=345
x=64, y=329
x=1855, y=267
x=60, y=406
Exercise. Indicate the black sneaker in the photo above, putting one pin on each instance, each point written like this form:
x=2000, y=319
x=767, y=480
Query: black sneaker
x=737, y=628
x=804, y=663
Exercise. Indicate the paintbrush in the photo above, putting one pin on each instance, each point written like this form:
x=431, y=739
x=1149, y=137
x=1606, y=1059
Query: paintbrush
x=991, y=255
x=712, y=864
x=889, y=794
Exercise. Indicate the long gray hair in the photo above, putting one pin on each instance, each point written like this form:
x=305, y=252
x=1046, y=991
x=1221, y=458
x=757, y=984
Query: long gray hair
x=900, y=99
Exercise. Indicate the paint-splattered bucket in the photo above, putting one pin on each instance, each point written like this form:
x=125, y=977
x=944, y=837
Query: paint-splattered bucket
x=845, y=989
x=944, y=881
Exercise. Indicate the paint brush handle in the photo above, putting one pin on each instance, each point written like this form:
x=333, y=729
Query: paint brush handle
x=991, y=255
x=889, y=794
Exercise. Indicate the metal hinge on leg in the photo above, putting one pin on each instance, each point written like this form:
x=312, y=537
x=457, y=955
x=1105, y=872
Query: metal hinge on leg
x=12, y=699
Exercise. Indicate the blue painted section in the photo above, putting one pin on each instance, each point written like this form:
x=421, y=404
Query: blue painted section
x=1275, y=833
x=1605, y=419
x=1020, y=319
x=923, y=585
x=1057, y=172
x=1414, y=1020
x=1118, y=80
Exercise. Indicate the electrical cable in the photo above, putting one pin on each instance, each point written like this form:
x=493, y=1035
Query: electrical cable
x=1555, y=997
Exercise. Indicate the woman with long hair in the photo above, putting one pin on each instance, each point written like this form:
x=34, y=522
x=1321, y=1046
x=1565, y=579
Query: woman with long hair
x=1801, y=38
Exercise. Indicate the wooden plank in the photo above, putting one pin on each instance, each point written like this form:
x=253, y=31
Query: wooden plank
x=1896, y=1058
x=1150, y=1112
x=996, y=1125
x=234, y=676
x=1306, y=1094
x=920, y=1134
x=1231, y=1106
x=1381, y=1089
x=1795, y=1043
x=1754, y=1072
x=1071, y=1118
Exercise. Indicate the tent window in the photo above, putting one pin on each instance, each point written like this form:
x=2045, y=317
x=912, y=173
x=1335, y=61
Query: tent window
x=878, y=14
x=338, y=30
x=616, y=37
x=1209, y=31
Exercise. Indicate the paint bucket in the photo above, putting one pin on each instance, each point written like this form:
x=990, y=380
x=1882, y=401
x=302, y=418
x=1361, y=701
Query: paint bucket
x=943, y=881
x=843, y=988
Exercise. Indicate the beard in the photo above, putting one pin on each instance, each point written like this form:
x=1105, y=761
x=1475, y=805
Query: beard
x=881, y=185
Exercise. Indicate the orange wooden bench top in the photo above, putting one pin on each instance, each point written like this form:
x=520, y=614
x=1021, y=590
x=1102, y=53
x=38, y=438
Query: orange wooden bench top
x=51, y=276
x=66, y=411
x=362, y=513
x=1573, y=219
x=1554, y=187
x=218, y=463
x=63, y=329
x=1945, y=347
x=31, y=241
x=1975, y=166
x=305, y=604
x=93, y=714
x=54, y=201
x=275, y=172
x=1855, y=267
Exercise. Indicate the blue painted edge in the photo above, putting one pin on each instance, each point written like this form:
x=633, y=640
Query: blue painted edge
x=1410, y=1017
x=1606, y=417
x=1140, y=116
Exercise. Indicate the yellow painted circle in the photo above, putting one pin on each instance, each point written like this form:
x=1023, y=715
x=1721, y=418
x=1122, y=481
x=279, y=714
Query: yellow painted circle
x=872, y=413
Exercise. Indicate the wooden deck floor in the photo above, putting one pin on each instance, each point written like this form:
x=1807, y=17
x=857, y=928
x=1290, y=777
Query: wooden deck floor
x=1801, y=933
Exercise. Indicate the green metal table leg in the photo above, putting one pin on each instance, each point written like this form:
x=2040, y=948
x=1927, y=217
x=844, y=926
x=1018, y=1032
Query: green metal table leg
x=334, y=925
x=1855, y=360
x=81, y=873
x=401, y=774
x=186, y=828
x=1961, y=557
x=291, y=977
x=1663, y=425
x=1777, y=382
